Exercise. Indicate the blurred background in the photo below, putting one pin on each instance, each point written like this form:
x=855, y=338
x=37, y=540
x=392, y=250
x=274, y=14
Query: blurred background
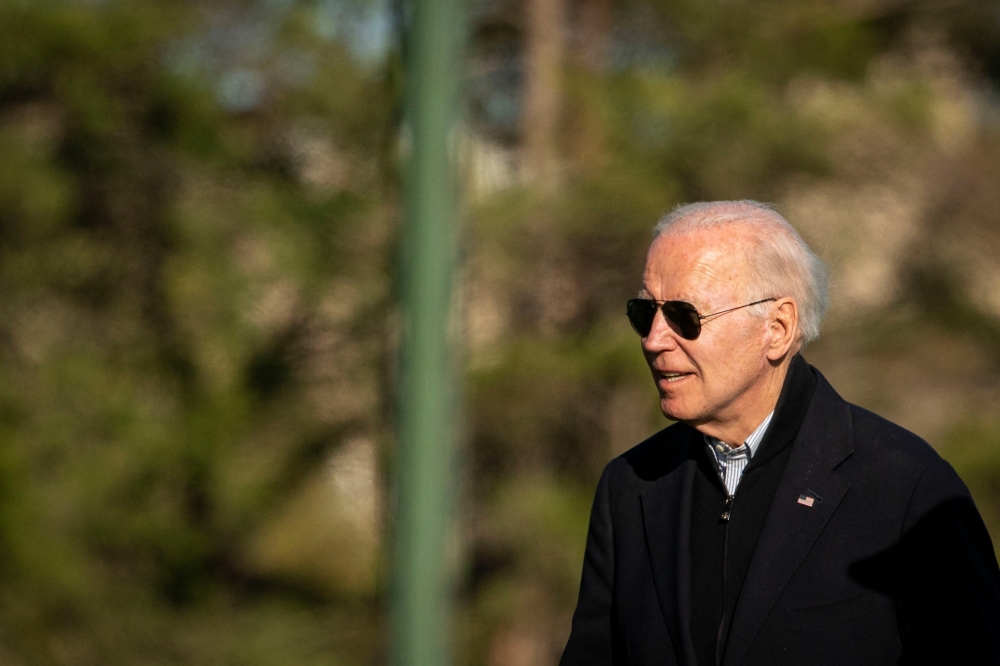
x=199, y=207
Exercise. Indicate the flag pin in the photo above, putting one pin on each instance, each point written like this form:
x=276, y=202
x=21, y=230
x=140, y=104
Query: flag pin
x=807, y=500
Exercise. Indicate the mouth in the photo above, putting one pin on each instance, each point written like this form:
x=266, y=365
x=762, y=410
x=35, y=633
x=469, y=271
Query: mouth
x=672, y=377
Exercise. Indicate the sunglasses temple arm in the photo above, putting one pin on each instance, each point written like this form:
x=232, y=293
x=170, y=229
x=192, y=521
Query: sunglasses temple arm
x=738, y=307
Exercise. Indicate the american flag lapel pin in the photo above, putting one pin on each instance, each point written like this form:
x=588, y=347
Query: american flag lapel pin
x=809, y=498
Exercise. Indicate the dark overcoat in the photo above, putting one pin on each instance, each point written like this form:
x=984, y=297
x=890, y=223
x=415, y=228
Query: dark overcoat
x=892, y=566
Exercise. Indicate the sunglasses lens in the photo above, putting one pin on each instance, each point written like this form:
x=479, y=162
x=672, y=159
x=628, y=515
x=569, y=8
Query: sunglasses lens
x=641, y=312
x=685, y=317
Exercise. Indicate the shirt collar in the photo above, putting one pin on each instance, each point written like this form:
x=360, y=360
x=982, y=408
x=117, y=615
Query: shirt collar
x=749, y=446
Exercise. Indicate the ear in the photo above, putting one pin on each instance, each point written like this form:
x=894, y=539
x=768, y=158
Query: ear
x=783, y=327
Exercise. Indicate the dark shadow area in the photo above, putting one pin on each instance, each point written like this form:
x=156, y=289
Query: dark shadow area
x=944, y=578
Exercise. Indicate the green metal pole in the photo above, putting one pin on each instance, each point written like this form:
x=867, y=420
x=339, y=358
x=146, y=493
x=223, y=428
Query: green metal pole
x=425, y=408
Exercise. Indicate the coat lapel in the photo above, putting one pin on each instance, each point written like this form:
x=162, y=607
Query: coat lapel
x=666, y=512
x=790, y=529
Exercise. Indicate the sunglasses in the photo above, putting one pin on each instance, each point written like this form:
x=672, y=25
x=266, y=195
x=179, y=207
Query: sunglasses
x=642, y=311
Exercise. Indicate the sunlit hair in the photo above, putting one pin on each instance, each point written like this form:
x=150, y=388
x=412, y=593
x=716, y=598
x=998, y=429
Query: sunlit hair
x=782, y=263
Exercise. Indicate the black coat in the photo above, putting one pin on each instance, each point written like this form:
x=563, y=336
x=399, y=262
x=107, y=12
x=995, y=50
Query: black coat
x=892, y=564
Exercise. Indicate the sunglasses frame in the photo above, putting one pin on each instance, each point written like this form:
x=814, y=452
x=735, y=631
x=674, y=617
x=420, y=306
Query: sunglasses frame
x=689, y=328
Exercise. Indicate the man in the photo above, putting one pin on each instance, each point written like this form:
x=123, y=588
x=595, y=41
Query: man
x=774, y=523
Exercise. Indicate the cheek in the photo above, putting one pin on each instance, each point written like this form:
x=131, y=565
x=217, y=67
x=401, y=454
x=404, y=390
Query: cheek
x=751, y=335
x=736, y=357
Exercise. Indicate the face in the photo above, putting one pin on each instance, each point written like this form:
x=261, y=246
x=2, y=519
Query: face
x=718, y=376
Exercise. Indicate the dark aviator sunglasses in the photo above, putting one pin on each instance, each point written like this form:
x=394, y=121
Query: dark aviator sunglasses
x=642, y=311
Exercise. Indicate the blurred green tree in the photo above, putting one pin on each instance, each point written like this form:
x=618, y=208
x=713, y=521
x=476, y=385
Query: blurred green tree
x=192, y=233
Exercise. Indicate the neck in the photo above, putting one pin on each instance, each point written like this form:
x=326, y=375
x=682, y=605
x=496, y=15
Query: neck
x=749, y=411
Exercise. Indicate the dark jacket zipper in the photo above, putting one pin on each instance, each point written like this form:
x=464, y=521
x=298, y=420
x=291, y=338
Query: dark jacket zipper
x=726, y=511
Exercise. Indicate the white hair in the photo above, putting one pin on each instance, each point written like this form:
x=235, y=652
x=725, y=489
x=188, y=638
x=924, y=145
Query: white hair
x=781, y=262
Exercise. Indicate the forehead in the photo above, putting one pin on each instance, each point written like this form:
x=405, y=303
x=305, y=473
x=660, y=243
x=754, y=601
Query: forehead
x=703, y=266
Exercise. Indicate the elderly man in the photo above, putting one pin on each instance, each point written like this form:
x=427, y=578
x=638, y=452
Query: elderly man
x=774, y=523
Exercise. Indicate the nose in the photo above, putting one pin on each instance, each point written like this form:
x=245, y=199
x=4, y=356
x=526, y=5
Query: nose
x=661, y=336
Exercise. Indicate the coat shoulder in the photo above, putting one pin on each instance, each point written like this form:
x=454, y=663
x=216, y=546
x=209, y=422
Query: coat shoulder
x=652, y=458
x=893, y=452
x=877, y=436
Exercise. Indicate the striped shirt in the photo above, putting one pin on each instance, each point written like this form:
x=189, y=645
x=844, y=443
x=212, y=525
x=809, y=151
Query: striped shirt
x=731, y=461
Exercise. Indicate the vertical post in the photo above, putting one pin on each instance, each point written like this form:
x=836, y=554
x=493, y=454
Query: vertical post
x=425, y=408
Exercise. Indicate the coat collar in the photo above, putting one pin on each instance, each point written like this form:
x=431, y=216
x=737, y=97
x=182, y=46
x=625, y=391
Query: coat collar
x=822, y=443
x=793, y=402
x=812, y=418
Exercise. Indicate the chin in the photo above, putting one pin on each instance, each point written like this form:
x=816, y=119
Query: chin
x=676, y=411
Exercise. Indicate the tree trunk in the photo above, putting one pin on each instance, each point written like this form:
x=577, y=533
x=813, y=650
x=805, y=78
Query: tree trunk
x=543, y=70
